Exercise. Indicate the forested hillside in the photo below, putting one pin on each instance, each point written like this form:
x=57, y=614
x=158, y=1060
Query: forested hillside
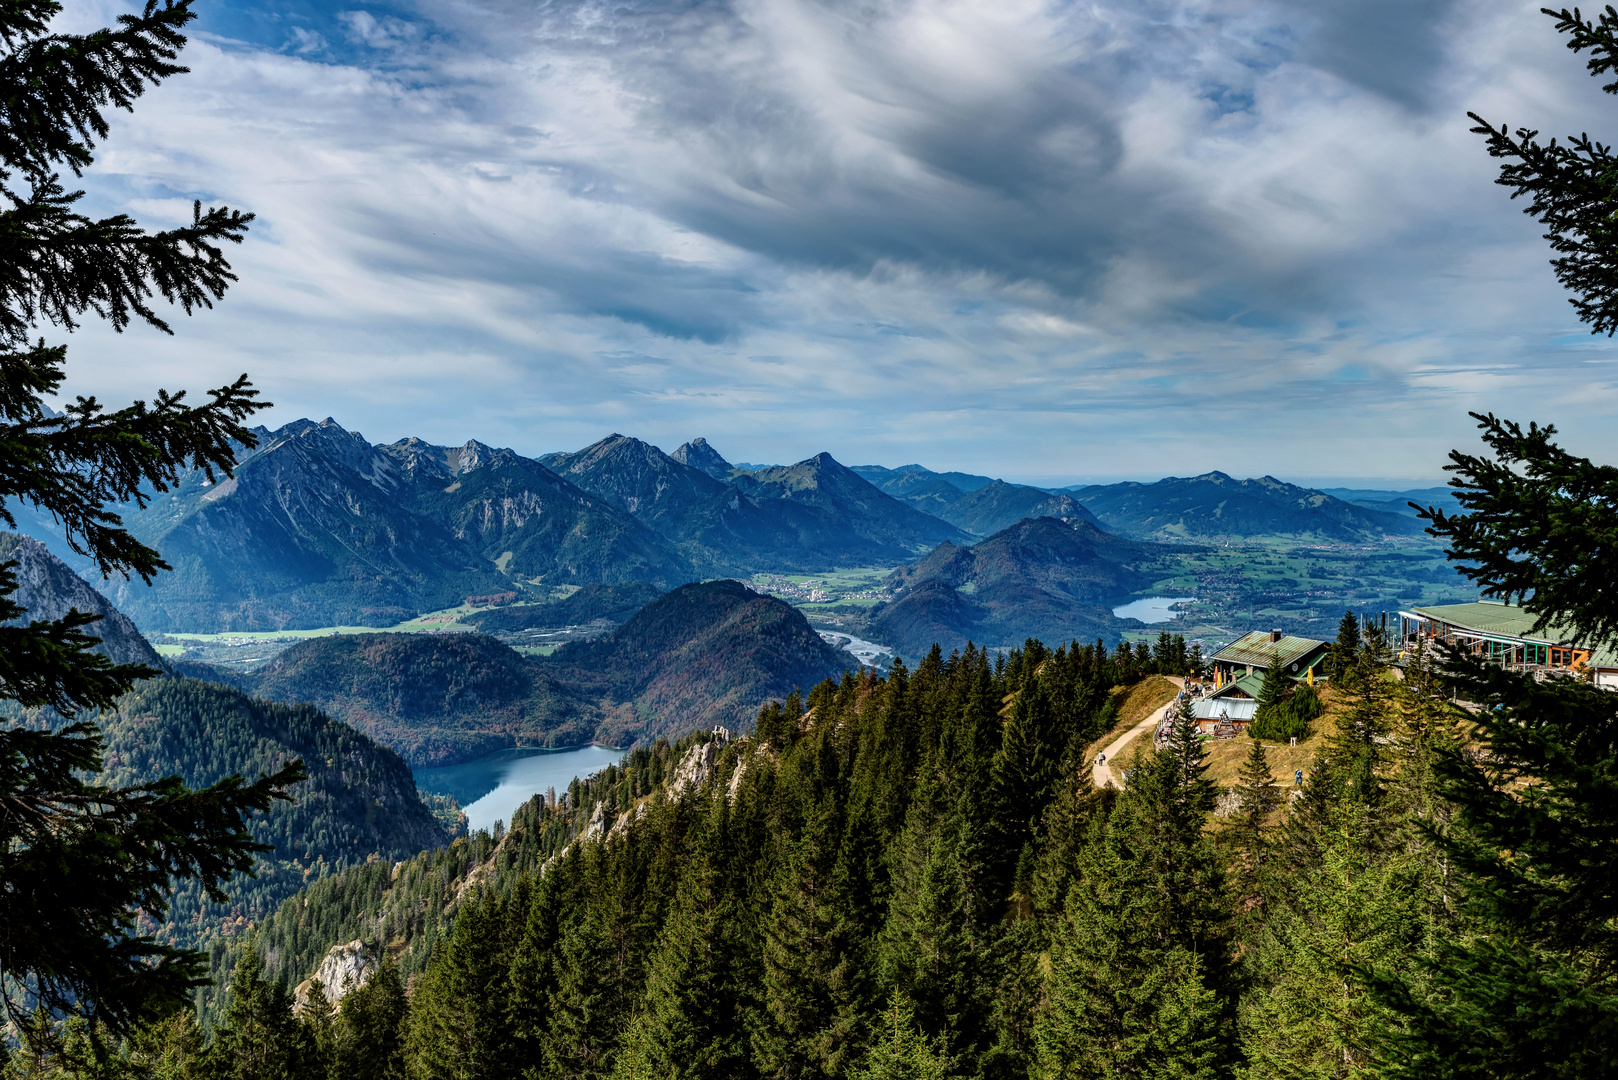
x=1214, y=504
x=48, y=588
x=912, y=876
x=705, y=654
x=359, y=798
x=697, y=656
x=434, y=698
x=1041, y=578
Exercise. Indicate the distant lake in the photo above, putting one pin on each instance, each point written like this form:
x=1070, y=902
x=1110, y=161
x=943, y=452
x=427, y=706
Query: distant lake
x=1152, y=609
x=491, y=788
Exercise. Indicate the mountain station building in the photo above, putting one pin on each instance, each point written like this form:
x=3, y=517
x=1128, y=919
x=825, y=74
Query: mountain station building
x=1504, y=632
x=1299, y=657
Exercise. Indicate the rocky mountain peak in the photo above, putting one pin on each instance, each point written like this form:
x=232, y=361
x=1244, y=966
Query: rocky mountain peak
x=49, y=589
x=330, y=443
x=699, y=455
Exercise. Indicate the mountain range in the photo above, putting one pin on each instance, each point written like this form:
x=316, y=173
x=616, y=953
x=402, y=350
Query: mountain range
x=978, y=505
x=318, y=527
x=1041, y=577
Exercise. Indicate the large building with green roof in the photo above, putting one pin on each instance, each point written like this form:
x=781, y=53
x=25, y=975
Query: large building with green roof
x=1505, y=633
x=1254, y=653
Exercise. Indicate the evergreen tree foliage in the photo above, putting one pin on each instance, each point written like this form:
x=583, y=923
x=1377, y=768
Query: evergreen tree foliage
x=456, y=1022
x=1570, y=186
x=1340, y=654
x=1525, y=984
x=1259, y=800
x=691, y=1025
x=366, y=1041
x=901, y=1051
x=1128, y=993
x=260, y=1037
x=79, y=857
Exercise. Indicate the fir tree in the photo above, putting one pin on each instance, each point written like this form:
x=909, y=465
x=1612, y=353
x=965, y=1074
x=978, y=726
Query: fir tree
x=260, y=1037
x=691, y=1026
x=1259, y=799
x=930, y=954
x=80, y=857
x=902, y=1051
x=1571, y=186
x=456, y=1024
x=1025, y=771
x=1129, y=991
x=1341, y=653
x=367, y=1036
x=812, y=985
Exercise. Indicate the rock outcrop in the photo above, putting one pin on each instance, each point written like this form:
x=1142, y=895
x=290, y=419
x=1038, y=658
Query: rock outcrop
x=344, y=970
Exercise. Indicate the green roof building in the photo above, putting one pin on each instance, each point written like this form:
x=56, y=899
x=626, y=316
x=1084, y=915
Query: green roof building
x=1505, y=633
x=1255, y=652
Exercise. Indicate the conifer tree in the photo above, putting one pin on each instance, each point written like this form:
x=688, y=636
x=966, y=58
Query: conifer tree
x=367, y=1036
x=1341, y=653
x=78, y=858
x=902, y=1051
x=260, y=1037
x=456, y=1024
x=930, y=954
x=691, y=1025
x=1570, y=186
x=1273, y=692
x=1130, y=992
x=813, y=988
x=1259, y=799
x=1355, y=904
x=1025, y=771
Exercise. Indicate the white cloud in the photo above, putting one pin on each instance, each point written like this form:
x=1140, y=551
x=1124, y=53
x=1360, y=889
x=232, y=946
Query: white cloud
x=1026, y=238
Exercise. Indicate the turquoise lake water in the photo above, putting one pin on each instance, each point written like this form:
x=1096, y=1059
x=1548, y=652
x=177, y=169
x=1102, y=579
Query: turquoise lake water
x=1153, y=609
x=491, y=788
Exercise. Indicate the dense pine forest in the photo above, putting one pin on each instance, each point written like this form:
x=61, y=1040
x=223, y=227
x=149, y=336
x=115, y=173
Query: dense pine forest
x=900, y=876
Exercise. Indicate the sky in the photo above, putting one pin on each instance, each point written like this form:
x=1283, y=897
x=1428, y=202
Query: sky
x=1054, y=242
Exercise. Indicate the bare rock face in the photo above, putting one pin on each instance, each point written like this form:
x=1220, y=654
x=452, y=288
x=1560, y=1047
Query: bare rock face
x=344, y=970
x=697, y=766
x=699, y=455
x=49, y=589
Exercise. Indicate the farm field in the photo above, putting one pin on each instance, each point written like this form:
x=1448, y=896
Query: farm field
x=1302, y=588
x=859, y=587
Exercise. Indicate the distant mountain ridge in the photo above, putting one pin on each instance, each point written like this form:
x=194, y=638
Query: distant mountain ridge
x=319, y=527
x=48, y=588
x=1215, y=504
x=978, y=505
x=815, y=515
x=1040, y=577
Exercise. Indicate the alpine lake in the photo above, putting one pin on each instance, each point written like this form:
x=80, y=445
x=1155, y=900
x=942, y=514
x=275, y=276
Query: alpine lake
x=491, y=788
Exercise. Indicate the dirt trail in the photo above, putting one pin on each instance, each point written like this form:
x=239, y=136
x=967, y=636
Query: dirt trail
x=1103, y=773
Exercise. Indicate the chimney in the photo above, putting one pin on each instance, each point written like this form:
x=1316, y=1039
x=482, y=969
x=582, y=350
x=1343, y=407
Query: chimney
x=1275, y=635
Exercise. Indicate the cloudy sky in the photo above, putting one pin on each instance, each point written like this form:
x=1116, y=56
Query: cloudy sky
x=1043, y=240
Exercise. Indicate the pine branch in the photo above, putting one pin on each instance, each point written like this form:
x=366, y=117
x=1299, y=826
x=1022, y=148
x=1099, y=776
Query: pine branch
x=56, y=264
x=72, y=465
x=1538, y=525
x=54, y=89
x=1599, y=36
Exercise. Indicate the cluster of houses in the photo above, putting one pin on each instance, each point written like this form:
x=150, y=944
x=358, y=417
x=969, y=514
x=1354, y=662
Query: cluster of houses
x=1491, y=629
